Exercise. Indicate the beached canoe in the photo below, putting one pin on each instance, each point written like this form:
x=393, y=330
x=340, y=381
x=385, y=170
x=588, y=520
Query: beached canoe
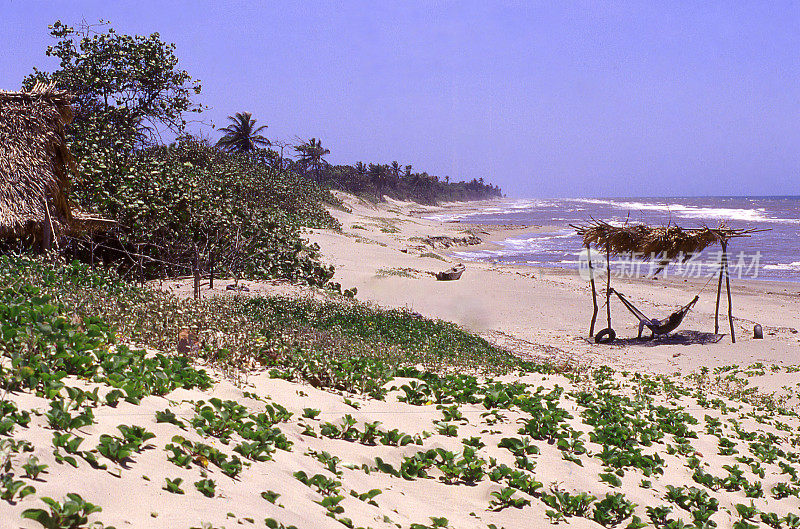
x=452, y=274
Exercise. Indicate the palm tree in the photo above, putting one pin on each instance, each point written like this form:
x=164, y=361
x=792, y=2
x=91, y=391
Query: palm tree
x=394, y=173
x=378, y=175
x=312, y=153
x=242, y=135
x=359, y=178
x=303, y=156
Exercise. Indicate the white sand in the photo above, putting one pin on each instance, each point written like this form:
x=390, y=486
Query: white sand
x=542, y=308
x=537, y=313
x=130, y=500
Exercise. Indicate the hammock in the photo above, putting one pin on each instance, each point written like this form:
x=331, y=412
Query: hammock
x=659, y=327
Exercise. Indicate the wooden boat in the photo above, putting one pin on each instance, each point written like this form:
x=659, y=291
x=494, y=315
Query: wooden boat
x=452, y=274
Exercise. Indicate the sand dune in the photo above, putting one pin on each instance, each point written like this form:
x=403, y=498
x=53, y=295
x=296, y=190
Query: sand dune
x=587, y=447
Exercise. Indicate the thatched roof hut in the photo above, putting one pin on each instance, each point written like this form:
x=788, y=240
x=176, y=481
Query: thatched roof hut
x=665, y=243
x=35, y=166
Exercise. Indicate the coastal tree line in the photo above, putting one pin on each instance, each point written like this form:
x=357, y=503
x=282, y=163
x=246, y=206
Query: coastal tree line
x=238, y=203
x=244, y=135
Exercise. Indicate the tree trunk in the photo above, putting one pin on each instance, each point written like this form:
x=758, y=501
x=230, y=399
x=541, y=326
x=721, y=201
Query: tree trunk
x=211, y=272
x=196, y=274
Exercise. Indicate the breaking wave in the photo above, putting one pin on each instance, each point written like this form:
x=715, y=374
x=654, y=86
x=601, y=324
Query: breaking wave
x=694, y=212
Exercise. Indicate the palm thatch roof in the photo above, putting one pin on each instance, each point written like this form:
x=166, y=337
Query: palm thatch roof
x=35, y=165
x=665, y=243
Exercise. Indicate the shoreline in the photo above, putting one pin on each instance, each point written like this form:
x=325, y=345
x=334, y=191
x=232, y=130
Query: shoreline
x=540, y=312
x=535, y=309
x=496, y=234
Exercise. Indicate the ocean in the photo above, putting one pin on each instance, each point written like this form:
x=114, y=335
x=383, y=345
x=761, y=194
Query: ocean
x=773, y=254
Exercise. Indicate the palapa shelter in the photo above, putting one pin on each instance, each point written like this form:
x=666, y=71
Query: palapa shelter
x=663, y=244
x=35, y=167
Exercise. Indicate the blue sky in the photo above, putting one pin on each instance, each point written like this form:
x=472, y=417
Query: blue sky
x=545, y=99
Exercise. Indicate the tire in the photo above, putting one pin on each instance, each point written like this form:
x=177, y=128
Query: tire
x=605, y=336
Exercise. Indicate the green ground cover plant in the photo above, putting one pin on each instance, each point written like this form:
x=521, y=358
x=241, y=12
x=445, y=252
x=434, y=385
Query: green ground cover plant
x=33, y=468
x=206, y=487
x=564, y=504
x=185, y=452
x=73, y=513
x=174, y=485
x=624, y=422
x=340, y=345
x=270, y=496
x=505, y=498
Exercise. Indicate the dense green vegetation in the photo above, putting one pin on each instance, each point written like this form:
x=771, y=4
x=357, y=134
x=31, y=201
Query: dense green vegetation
x=636, y=434
x=237, y=204
x=387, y=179
x=47, y=341
x=380, y=179
x=181, y=204
x=192, y=199
x=340, y=344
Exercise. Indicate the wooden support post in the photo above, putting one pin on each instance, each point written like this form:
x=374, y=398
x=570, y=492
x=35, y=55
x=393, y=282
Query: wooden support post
x=211, y=272
x=139, y=263
x=608, y=285
x=196, y=274
x=47, y=229
x=719, y=291
x=728, y=288
x=594, y=290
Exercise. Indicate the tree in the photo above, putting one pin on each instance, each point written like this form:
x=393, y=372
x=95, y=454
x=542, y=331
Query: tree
x=312, y=153
x=134, y=78
x=242, y=135
x=378, y=175
x=128, y=89
x=282, y=144
x=203, y=201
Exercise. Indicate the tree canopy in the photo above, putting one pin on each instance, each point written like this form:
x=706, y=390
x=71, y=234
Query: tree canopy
x=239, y=203
x=128, y=90
x=242, y=135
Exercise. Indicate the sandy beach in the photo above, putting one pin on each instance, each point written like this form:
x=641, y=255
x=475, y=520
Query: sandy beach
x=545, y=311
x=389, y=252
x=259, y=267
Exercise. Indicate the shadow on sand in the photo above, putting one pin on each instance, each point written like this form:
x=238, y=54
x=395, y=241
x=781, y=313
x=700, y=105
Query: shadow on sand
x=678, y=338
